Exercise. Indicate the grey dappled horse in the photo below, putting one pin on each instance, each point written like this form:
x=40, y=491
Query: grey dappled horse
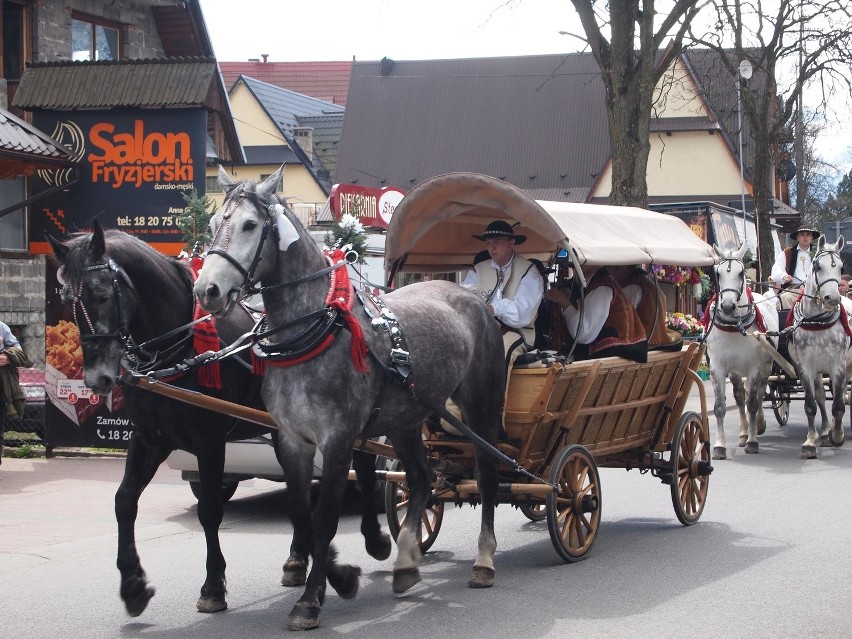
x=455, y=349
x=820, y=344
x=125, y=294
x=734, y=355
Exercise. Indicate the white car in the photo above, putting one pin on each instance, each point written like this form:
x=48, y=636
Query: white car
x=251, y=459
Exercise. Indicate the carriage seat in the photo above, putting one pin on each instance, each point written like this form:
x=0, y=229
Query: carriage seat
x=538, y=359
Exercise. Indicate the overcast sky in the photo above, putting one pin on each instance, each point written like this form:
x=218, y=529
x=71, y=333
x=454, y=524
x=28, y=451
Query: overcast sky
x=323, y=30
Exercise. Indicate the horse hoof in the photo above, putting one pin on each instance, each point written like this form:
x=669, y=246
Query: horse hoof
x=809, y=452
x=719, y=452
x=752, y=448
x=404, y=579
x=380, y=547
x=295, y=573
x=837, y=442
x=481, y=577
x=135, y=606
x=743, y=440
x=303, y=617
x=344, y=580
x=762, y=428
x=824, y=441
x=211, y=604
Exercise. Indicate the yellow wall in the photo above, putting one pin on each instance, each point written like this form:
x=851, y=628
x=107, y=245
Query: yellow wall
x=253, y=125
x=675, y=95
x=256, y=129
x=685, y=162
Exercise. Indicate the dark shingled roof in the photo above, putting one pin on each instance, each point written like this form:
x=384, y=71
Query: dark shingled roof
x=277, y=154
x=163, y=82
x=24, y=149
x=538, y=122
x=535, y=121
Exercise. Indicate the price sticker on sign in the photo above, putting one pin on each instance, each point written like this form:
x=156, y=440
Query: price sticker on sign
x=75, y=390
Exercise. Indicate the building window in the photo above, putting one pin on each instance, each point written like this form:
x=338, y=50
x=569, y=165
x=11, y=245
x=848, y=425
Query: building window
x=13, y=40
x=94, y=39
x=13, y=226
x=212, y=184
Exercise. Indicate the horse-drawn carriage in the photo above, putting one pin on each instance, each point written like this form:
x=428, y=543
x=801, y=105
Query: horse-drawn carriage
x=562, y=421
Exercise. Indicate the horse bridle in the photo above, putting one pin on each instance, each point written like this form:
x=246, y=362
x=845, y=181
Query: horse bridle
x=123, y=332
x=131, y=351
x=231, y=204
x=742, y=321
x=819, y=284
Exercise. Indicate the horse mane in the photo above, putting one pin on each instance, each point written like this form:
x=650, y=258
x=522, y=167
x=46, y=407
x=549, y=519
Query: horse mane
x=140, y=261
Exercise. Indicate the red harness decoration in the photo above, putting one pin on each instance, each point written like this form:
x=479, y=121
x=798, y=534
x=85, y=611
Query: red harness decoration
x=758, y=316
x=205, y=337
x=341, y=297
x=844, y=319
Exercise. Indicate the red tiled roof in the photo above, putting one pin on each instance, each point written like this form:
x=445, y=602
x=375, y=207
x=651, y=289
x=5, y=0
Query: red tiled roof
x=328, y=81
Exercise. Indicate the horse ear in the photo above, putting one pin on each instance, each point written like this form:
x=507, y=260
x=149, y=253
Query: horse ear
x=267, y=188
x=820, y=242
x=717, y=250
x=740, y=254
x=97, y=245
x=841, y=242
x=58, y=248
x=225, y=180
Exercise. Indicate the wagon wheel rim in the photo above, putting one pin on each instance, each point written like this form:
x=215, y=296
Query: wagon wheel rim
x=534, y=511
x=396, y=507
x=691, y=469
x=574, y=509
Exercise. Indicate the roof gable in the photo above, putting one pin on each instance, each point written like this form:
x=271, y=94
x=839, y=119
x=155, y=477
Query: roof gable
x=328, y=81
x=24, y=149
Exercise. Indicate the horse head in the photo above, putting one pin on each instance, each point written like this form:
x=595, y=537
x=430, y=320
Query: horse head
x=240, y=255
x=103, y=301
x=730, y=279
x=823, y=284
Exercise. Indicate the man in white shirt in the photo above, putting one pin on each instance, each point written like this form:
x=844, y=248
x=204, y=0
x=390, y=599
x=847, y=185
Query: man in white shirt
x=511, y=286
x=793, y=264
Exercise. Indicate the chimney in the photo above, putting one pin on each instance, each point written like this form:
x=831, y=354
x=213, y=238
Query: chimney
x=304, y=137
x=265, y=57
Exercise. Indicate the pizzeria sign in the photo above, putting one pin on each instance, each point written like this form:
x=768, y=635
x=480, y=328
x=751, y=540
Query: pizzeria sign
x=372, y=206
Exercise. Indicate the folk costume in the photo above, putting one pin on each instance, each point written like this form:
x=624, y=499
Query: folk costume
x=607, y=324
x=650, y=304
x=796, y=262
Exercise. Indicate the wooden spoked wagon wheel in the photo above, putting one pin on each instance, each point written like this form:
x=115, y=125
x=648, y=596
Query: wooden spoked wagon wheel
x=691, y=468
x=534, y=512
x=396, y=508
x=574, y=509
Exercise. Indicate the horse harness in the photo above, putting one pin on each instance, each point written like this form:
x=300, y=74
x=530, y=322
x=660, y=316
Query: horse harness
x=740, y=322
x=137, y=358
x=826, y=319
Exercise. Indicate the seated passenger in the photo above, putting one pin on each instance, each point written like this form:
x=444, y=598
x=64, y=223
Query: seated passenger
x=605, y=323
x=650, y=304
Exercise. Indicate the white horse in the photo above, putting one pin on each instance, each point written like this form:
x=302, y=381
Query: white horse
x=819, y=344
x=734, y=353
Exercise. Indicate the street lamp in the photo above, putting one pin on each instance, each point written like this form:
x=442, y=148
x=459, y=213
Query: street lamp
x=745, y=72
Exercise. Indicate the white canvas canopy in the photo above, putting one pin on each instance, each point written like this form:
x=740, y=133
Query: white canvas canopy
x=435, y=223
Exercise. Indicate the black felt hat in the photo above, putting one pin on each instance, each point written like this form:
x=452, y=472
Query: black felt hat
x=804, y=229
x=499, y=228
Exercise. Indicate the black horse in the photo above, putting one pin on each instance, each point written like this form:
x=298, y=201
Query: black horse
x=124, y=293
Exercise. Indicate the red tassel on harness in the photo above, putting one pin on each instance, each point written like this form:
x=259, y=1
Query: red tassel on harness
x=206, y=338
x=341, y=296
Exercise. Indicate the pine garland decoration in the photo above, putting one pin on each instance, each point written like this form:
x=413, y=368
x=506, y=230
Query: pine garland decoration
x=348, y=234
x=195, y=220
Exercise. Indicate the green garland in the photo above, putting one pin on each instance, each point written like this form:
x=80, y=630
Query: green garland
x=348, y=234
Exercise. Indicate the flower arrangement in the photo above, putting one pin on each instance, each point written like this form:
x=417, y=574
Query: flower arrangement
x=684, y=324
x=678, y=275
x=348, y=235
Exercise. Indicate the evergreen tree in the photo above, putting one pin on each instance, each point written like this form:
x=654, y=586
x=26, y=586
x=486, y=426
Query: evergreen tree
x=348, y=232
x=195, y=220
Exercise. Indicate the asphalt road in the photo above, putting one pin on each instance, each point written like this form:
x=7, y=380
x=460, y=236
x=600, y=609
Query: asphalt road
x=769, y=558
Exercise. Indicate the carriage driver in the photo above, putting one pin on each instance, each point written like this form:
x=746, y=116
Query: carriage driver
x=512, y=286
x=793, y=264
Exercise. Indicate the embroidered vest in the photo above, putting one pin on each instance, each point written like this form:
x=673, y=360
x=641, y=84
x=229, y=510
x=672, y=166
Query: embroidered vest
x=486, y=280
x=622, y=333
x=651, y=309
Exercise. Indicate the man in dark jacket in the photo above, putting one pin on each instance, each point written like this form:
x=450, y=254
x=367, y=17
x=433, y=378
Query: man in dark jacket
x=12, y=396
